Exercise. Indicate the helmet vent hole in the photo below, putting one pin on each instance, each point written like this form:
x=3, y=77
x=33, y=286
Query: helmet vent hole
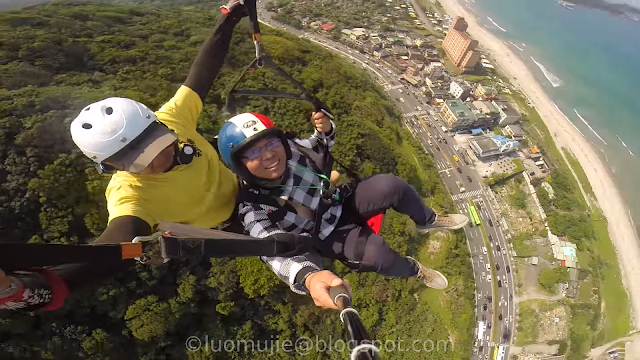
x=87, y=126
x=87, y=108
x=109, y=110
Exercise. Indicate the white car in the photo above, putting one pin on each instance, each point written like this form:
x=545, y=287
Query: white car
x=504, y=252
x=484, y=250
x=488, y=278
x=401, y=100
x=456, y=148
x=488, y=267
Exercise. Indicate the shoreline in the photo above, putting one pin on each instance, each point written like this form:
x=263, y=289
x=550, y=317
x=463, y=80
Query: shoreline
x=564, y=134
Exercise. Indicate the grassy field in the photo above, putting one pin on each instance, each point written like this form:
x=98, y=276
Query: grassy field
x=527, y=323
x=452, y=68
x=616, y=302
x=582, y=177
x=617, y=317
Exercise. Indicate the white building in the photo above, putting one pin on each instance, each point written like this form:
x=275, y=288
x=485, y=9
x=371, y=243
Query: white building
x=435, y=69
x=459, y=90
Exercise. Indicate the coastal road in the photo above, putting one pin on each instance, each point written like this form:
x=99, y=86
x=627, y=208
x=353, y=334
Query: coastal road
x=426, y=127
x=424, y=123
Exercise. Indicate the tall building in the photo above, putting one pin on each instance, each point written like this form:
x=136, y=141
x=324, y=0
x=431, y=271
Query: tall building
x=459, y=47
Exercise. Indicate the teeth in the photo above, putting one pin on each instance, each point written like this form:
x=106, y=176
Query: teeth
x=273, y=165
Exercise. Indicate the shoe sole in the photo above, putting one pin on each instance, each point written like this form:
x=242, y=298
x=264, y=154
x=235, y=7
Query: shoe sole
x=455, y=227
x=446, y=282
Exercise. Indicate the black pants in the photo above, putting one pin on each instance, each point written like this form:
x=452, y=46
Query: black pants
x=354, y=240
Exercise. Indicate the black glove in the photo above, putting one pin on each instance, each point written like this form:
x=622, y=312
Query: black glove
x=237, y=9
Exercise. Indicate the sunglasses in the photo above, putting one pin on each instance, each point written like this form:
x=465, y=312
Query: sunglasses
x=255, y=153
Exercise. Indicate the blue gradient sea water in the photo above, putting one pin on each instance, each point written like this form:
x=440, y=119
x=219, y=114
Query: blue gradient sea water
x=588, y=61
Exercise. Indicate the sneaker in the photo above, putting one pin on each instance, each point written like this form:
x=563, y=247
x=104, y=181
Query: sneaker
x=450, y=221
x=431, y=278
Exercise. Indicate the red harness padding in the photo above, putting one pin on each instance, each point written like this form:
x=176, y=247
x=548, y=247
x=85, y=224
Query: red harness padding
x=39, y=289
x=375, y=223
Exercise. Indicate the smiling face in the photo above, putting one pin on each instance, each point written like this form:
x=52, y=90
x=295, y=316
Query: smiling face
x=266, y=159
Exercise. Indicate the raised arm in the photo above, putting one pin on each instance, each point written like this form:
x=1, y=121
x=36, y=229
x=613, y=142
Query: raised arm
x=325, y=129
x=208, y=63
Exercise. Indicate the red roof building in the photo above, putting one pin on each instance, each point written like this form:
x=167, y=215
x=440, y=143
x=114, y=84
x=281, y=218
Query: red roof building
x=328, y=27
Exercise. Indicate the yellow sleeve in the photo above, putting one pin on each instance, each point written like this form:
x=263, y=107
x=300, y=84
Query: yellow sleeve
x=121, y=202
x=182, y=111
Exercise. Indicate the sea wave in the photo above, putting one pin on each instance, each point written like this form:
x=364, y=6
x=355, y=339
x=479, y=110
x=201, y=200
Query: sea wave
x=625, y=145
x=494, y=23
x=516, y=46
x=566, y=117
x=554, y=80
x=589, y=126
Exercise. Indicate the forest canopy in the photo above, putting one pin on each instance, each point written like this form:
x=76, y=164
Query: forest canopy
x=55, y=58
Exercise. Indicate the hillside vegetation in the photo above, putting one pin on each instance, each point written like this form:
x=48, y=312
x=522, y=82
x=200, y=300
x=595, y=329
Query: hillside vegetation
x=55, y=58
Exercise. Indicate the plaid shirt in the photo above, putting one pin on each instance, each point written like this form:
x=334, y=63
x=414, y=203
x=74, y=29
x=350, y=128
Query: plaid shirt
x=302, y=187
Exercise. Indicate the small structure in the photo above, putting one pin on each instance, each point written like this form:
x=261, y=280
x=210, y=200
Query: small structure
x=515, y=131
x=327, y=27
x=508, y=115
x=566, y=253
x=485, y=146
x=482, y=92
x=533, y=260
x=460, y=90
x=545, y=185
x=435, y=70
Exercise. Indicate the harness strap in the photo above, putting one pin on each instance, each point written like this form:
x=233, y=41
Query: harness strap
x=179, y=242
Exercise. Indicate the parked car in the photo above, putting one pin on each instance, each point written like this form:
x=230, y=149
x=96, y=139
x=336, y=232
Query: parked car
x=500, y=317
x=499, y=283
x=469, y=178
x=459, y=170
x=508, y=269
x=484, y=307
x=490, y=222
x=497, y=266
x=490, y=238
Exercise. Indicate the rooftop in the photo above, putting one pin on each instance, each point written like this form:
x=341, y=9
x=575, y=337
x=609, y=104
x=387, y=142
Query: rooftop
x=485, y=107
x=486, y=144
x=516, y=130
x=506, y=107
x=459, y=109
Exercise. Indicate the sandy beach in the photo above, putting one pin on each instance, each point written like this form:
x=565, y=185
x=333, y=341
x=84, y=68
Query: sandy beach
x=621, y=228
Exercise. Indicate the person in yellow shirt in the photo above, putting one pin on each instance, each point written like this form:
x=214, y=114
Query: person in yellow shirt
x=163, y=171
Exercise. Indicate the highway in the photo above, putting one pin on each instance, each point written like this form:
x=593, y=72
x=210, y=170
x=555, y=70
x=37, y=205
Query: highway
x=424, y=123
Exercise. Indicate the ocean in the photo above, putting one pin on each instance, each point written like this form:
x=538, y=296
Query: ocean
x=588, y=61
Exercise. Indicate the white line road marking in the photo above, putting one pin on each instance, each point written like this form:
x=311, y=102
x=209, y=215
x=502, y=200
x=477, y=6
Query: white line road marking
x=467, y=195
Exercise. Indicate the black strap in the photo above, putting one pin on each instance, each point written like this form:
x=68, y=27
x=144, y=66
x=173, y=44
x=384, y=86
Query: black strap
x=174, y=241
x=15, y=256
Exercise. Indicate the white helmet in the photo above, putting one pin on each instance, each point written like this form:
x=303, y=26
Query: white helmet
x=106, y=127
